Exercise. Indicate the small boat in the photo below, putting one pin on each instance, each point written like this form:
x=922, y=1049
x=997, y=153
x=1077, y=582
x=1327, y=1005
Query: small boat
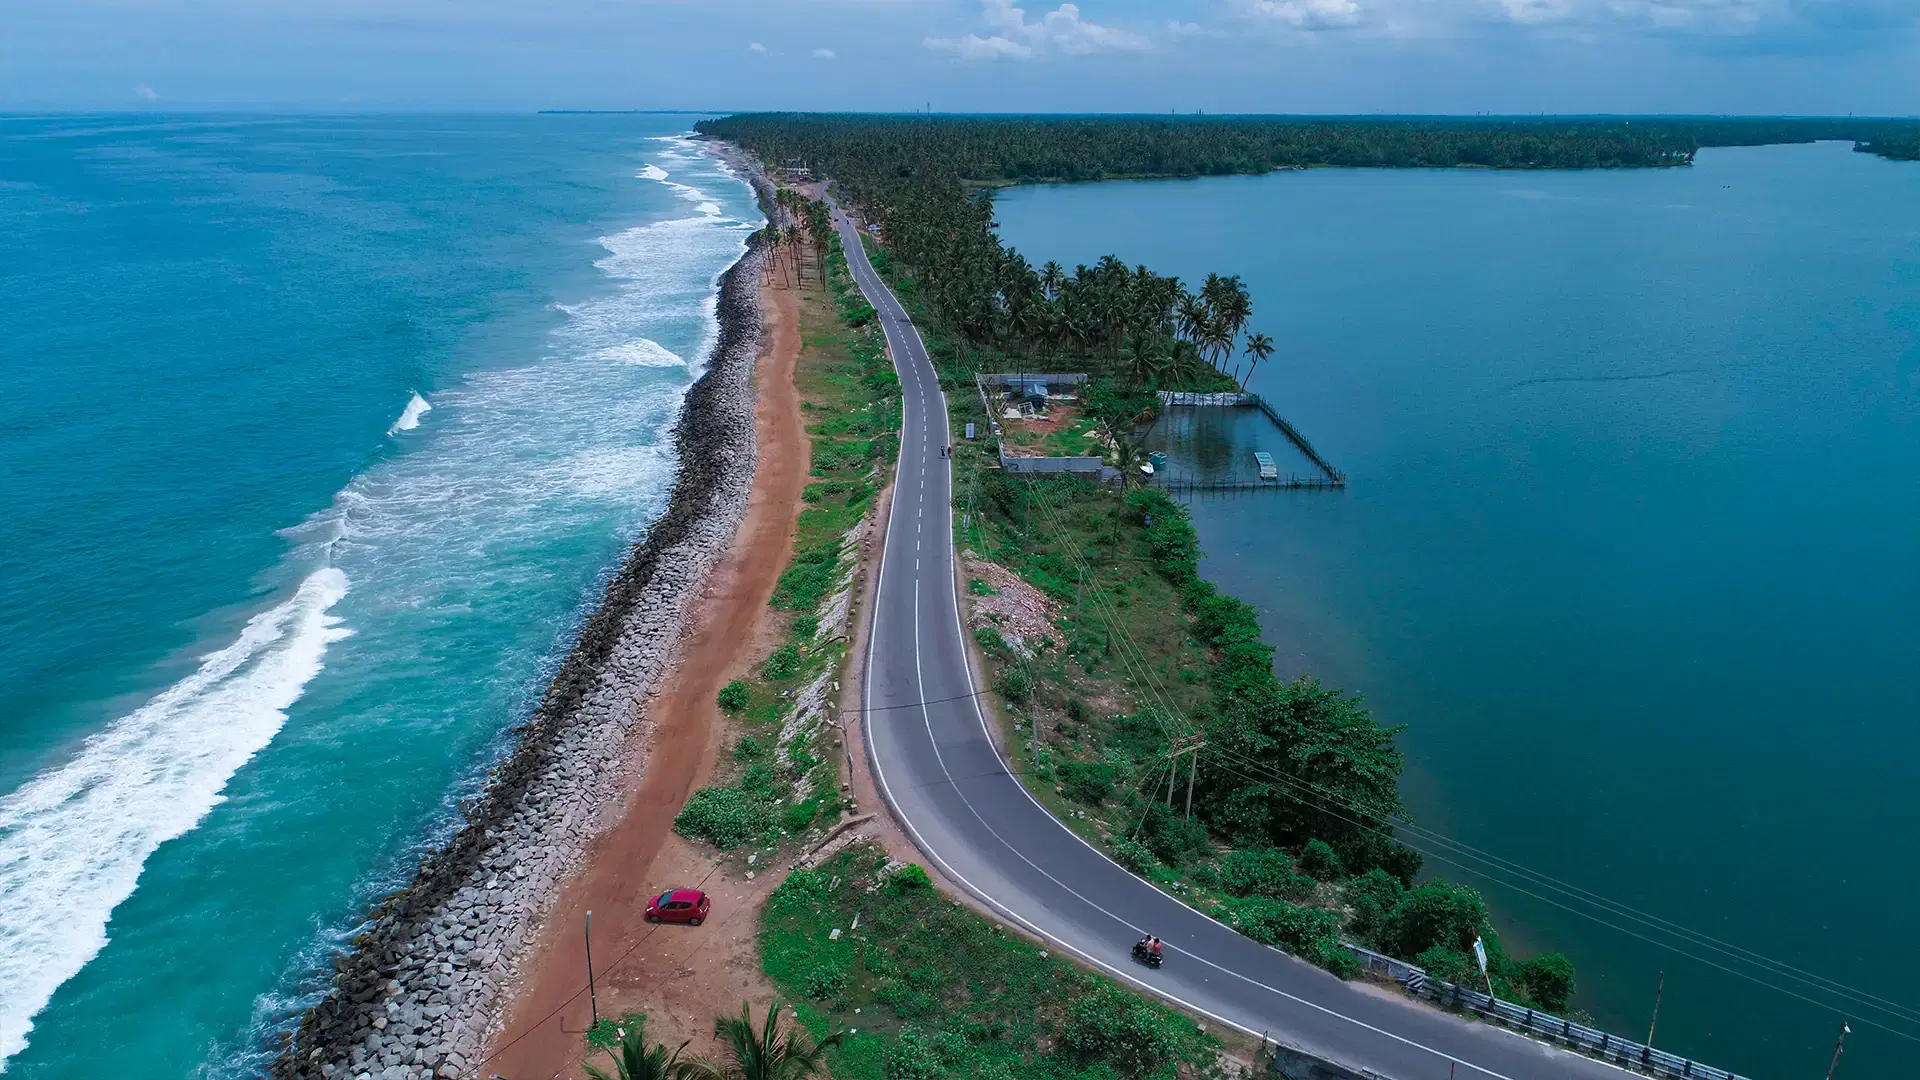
x=1157, y=459
x=1146, y=468
x=1268, y=470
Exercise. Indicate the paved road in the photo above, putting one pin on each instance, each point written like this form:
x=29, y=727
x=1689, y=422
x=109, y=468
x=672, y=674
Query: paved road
x=945, y=780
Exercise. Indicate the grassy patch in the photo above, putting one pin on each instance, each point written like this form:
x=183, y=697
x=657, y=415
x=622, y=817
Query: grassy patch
x=933, y=990
x=783, y=780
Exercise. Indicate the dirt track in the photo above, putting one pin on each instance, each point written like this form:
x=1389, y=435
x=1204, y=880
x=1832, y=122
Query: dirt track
x=640, y=855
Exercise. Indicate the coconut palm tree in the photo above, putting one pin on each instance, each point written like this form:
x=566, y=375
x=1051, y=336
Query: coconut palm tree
x=1052, y=276
x=1259, y=347
x=793, y=246
x=770, y=1053
x=634, y=1061
x=1190, y=315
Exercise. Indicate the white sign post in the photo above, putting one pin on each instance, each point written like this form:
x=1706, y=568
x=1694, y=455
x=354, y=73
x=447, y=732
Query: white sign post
x=1480, y=954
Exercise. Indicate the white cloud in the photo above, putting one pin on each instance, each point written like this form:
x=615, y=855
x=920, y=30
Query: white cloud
x=1679, y=16
x=1305, y=14
x=146, y=91
x=1178, y=30
x=1060, y=30
x=823, y=54
x=975, y=47
x=756, y=47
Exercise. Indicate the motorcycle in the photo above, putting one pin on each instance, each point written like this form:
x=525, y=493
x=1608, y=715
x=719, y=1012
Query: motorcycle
x=1144, y=955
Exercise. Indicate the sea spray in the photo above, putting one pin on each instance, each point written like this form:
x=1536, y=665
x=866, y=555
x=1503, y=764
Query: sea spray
x=410, y=416
x=73, y=840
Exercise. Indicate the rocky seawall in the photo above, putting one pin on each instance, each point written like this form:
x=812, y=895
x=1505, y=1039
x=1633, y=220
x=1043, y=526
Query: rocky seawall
x=418, y=994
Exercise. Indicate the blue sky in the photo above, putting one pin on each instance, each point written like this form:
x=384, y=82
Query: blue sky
x=1454, y=56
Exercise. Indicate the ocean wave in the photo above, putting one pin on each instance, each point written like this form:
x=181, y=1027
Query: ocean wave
x=410, y=416
x=73, y=840
x=643, y=352
x=653, y=172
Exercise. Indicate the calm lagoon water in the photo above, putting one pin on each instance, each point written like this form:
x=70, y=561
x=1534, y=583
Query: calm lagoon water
x=1630, y=546
x=317, y=437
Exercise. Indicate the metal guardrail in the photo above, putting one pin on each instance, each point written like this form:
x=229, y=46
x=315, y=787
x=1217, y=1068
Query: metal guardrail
x=1592, y=1042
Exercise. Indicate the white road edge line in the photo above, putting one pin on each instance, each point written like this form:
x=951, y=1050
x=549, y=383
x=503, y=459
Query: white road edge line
x=873, y=758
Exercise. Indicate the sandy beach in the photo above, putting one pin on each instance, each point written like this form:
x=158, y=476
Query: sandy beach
x=638, y=856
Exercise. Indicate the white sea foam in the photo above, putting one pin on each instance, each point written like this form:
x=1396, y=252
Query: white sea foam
x=643, y=352
x=653, y=172
x=410, y=416
x=703, y=204
x=73, y=840
x=562, y=445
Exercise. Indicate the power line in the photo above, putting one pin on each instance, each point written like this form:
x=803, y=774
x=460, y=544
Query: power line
x=1614, y=926
x=1776, y=968
x=617, y=961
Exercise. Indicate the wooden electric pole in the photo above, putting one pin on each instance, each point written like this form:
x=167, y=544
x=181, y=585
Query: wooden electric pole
x=1658, y=990
x=1838, y=1045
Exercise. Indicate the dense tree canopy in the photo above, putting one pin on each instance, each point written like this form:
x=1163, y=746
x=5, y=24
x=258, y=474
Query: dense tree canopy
x=994, y=150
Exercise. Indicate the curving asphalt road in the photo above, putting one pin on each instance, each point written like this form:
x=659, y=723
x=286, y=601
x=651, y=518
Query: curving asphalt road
x=943, y=777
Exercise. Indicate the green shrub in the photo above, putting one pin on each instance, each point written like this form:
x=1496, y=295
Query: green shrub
x=826, y=980
x=1450, y=965
x=802, y=889
x=806, y=626
x=912, y=1057
x=1172, y=836
x=1015, y=685
x=748, y=749
x=908, y=1002
x=1313, y=934
x=1435, y=914
x=1261, y=872
x=980, y=588
x=1372, y=896
x=1318, y=861
x=805, y=580
x=1112, y=1027
x=989, y=639
x=1169, y=534
x=735, y=697
x=783, y=664
x=1135, y=857
x=1088, y=782
x=909, y=878
x=799, y=815
x=725, y=817
x=1076, y=710
x=1549, y=981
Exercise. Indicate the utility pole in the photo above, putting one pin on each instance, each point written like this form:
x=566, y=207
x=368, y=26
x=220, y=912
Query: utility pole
x=1839, y=1045
x=593, y=998
x=1036, y=735
x=1659, y=990
x=1078, y=582
x=1193, y=769
x=1189, y=744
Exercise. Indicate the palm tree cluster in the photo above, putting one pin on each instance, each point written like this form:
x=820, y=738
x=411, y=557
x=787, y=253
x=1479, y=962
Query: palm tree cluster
x=769, y=1052
x=1146, y=328
x=808, y=225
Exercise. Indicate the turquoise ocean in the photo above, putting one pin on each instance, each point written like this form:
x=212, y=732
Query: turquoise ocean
x=318, y=438
x=1629, y=548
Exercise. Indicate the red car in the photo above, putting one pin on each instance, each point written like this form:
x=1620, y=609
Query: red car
x=678, y=905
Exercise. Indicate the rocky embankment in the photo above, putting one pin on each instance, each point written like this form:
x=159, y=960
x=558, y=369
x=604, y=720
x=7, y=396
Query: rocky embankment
x=418, y=994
